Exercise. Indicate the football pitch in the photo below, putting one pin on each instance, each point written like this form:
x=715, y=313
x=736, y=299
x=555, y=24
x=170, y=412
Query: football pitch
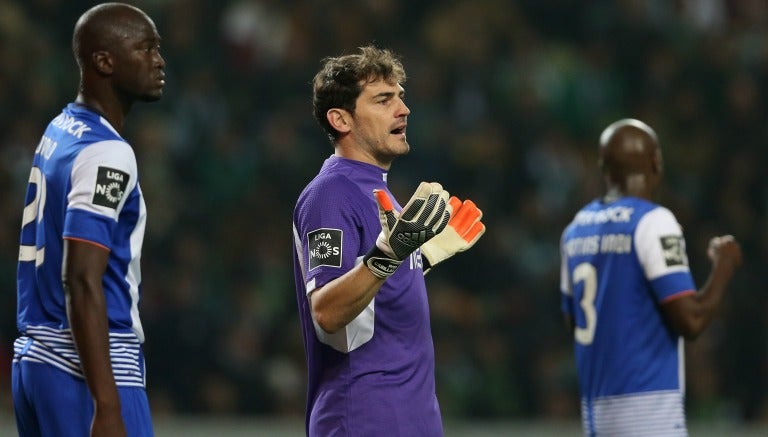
x=194, y=427
x=197, y=426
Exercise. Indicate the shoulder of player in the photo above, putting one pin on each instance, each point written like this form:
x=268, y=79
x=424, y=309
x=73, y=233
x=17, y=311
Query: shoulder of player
x=83, y=124
x=109, y=146
x=334, y=192
x=113, y=154
x=658, y=219
x=643, y=207
x=647, y=207
x=336, y=187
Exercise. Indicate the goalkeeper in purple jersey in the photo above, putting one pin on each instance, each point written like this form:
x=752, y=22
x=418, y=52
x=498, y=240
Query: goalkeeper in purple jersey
x=78, y=365
x=359, y=260
x=628, y=294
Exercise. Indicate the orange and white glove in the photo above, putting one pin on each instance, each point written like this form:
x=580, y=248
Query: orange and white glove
x=464, y=229
x=425, y=215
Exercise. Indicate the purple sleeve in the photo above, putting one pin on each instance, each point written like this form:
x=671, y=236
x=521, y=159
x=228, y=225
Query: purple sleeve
x=330, y=226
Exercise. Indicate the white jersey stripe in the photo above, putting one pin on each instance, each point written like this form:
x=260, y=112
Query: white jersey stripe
x=43, y=344
x=652, y=414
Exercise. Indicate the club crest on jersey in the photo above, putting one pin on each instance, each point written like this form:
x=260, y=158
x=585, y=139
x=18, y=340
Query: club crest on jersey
x=324, y=247
x=673, y=247
x=110, y=187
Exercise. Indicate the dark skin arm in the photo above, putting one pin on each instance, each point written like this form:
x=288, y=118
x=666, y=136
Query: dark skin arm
x=85, y=264
x=690, y=315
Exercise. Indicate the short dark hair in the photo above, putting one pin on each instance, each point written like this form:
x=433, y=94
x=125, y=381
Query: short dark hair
x=341, y=80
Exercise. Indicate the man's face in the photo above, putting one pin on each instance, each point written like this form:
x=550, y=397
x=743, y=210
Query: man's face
x=139, y=66
x=380, y=120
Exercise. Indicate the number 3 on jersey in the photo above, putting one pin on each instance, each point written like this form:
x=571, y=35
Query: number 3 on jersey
x=33, y=212
x=586, y=273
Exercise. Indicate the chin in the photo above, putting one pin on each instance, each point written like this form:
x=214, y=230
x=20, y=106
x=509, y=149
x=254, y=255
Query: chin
x=153, y=97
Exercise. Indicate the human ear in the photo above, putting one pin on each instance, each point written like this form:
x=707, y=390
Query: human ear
x=339, y=119
x=102, y=61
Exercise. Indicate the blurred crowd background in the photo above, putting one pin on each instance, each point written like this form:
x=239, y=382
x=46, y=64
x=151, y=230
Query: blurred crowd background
x=508, y=99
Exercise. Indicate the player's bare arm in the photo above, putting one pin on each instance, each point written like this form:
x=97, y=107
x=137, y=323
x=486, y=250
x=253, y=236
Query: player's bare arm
x=338, y=302
x=689, y=315
x=86, y=307
x=426, y=214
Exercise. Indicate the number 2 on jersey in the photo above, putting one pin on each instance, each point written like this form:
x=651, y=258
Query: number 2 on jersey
x=586, y=273
x=33, y=211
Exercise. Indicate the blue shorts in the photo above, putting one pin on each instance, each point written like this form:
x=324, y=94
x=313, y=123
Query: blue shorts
x=48, y=401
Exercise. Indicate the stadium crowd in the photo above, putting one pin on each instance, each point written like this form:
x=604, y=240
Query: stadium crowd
x=507, y=99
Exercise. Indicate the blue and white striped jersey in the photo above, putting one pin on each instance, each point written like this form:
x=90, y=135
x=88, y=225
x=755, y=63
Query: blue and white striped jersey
x=83, y=186
x=620, y=260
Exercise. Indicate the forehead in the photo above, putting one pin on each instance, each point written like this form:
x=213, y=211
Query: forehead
x=380, y=86
x=138, y=28
x=145, y=29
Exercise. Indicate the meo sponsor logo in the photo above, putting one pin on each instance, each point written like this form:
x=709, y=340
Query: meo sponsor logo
x=324, y=247
x=110, y=187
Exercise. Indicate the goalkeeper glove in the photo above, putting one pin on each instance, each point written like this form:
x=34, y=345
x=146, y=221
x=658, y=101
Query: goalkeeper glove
x=462, y=232
x=424, y=216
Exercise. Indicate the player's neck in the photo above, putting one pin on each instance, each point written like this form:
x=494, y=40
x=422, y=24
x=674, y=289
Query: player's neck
x=114, y=114
x=612, y=195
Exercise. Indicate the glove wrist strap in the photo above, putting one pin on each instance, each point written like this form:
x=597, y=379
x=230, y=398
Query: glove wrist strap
x=380, y=264
x=426, y=266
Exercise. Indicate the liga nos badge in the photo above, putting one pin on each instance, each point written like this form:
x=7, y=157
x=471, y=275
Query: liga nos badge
x=110, y=187
x=324, y=247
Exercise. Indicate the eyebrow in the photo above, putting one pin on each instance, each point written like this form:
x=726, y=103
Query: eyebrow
x=388, y=94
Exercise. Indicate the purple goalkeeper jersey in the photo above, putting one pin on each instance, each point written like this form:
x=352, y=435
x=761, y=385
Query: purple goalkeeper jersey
x=375, y=377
